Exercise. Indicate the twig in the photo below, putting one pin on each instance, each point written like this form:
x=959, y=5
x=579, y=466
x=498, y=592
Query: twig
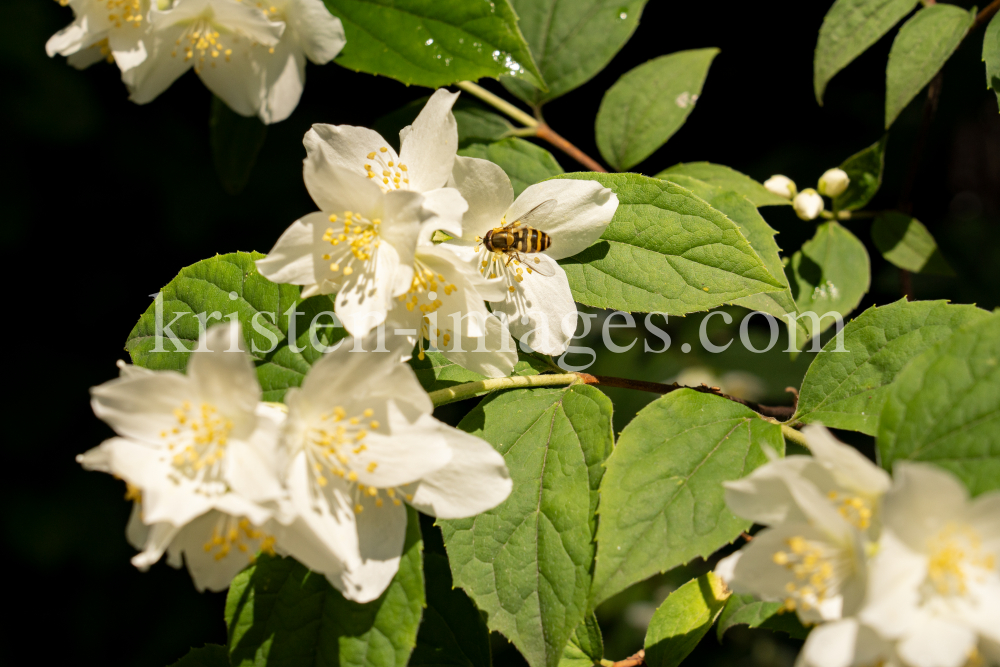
x=545, y=132
x=637, y=660
x=985, y=15
x=498, y=102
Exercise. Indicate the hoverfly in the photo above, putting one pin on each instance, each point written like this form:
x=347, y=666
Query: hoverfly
x=520, y=237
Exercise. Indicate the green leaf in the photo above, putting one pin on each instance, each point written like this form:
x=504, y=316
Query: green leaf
x=433, y=44
x=830, y=273
x=921, y=48
x=571, y=40
x=235, y=142
x=665, y=251
x=746, y=610
x=850, y=27
x=648, y=104
x=528, y=562
x=865, y=171
x=848, y=389
x=991, y=55
x=727, y=179
x=904, y=241
x=586, y=647
x=683, y=619
x=435, y=371
x=945, y=407
x=280, y=614
x=524, y=162
x=230, y=284
x=452, y=631
x=209, y=655
x=662, y=500
x=475, y=124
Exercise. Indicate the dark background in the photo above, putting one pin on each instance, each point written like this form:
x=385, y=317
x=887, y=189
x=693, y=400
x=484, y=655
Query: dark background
x=103, y=201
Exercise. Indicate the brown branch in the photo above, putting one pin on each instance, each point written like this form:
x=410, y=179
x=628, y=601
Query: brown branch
x=637, y=660
x=985, y=15
x=545, y=132
x=779, y=412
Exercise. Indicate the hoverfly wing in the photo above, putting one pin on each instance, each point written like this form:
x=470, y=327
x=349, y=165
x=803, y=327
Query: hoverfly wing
x=538, y=268
x=537, y=213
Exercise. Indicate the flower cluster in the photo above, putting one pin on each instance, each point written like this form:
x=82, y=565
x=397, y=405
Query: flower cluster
x=808, y=204
x=897, y=571
x=251, y=54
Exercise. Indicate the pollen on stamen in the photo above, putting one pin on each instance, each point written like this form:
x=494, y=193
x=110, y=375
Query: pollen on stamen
x=383, y=149
x=371, y=156
x=348, y=270
x=352, y=476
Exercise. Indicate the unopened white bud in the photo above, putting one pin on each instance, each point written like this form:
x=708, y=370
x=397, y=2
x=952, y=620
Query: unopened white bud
x=781, y=186
x=808, y=204
x=833, y=182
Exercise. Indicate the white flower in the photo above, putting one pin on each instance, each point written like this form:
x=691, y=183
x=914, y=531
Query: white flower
x=935, y=582
x=221, y=40
x=846, y=643
x=781, y=186
x=362, y=242
x=114, y=29
x=808, y=204
x=198, y=452
x=833, y=182
x=574, y=214
x=361, y=440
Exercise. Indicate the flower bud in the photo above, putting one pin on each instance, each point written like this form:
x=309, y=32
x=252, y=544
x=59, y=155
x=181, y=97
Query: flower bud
x=781, y=186
x=833, y=182
x=807, y=204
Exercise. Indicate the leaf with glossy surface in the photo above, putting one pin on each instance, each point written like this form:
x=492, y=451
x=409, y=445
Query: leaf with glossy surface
x=527, y=563
x=849, y=28
x=280, y=614
x=209, y=655
x=683, y=619
x=864, y=168
x=921, y=48
x=235, y=141
x=662, y=501
x=727, y=179
x=452, y=631
x=524, y=162
x=571, y=40
x=747, y=610
x=829, y=274
x=433, y=43
x=648, y=104
x=586, y=646
x=991, y=55
x=945, y=407
x=904, y=241
x=848, y=389
x=665, y=251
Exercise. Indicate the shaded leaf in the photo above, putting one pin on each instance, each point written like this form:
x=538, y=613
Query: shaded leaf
x=571, y=40
x=648, y=104
x=662, y=501
x=209, y=655
x=945, y=407
x=747, y=610
x=921, y=48
x=433, y=44
x=586, y=646
x=452, y=632
x=991, y=55
x=280, y=614
x=524, y=162
x=849, y=28
x=829, y=274
x=683, y=619
x=527, y=563
x=236, y=141
x=904, y=241
x=665, y=251
x=727, y=179
x=865, y=171
x=435, y=371
x=848, y=389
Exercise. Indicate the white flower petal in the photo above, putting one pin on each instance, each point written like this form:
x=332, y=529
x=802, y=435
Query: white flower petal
x=97, y=458
x=923, y=498
x=207, y=570
x=72, y=38
x=225, y=378
x=349, y=147
x=580, y=215
x=365, y=297
x=896, y=574
x=243, y=18
x=296, y=257
x=319, y=34
x=237, y=81
x=848, y=466
x=447, y=206
x=428, y=149
x=141, y=407
x=381, y=536
x=128, y=48
x=160, y=69
x=494, y=356
x=157, y=541
x=541, y=308
x=845, y=643
x=935, y=642
x=282, y=80
x=402, y=450
x=84, y=58
x=475, y=480
x=763, y=496
x=469, y=263
x=334, y=185
x=487, y=189
x=136, y=532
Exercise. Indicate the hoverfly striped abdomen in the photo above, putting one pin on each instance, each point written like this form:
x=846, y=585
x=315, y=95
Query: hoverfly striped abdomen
x=519, y=239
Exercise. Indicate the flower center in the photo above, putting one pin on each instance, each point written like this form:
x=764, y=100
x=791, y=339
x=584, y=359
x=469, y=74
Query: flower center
x=123, y=12
x=359, y=239
x=197, y=443
x=813, y=566
x=423, y=296
x=384, y=168
x=202, y=43
x=230, y=532
x=857, y=510
x=955, y=555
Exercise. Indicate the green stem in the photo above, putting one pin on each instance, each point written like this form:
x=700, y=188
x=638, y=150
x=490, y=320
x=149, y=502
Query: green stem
x=498, y=103
x=471, y=389
x=791, y=435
